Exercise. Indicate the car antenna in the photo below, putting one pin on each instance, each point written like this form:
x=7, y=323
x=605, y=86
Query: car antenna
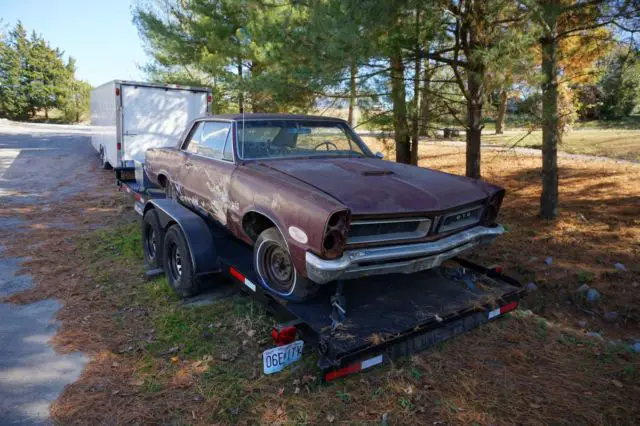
x=243, y=133
x=243, y=136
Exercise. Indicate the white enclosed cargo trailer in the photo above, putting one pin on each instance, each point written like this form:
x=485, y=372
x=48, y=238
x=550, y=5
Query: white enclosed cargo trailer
x=130, y=117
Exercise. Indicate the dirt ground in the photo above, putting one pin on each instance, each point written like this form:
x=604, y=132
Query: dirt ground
x=155, y=361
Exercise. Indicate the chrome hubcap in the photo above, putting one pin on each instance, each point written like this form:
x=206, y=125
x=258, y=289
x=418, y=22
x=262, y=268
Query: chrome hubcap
x=276, y=268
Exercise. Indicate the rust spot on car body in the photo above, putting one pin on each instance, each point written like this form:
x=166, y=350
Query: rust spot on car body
x=305, y=191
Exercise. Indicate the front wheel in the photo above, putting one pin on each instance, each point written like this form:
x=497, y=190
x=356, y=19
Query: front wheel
x=169, y=192
x=178, y=265
x=275, y=269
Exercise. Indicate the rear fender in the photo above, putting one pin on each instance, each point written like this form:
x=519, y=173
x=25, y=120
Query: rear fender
x=195, y=230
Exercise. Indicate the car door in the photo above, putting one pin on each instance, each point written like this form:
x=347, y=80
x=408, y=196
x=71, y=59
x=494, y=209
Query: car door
x=186, y=178
x=209, y=168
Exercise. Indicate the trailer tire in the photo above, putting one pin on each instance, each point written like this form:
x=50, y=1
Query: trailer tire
x=276, y=272
x=178, y=265
x=152, y=239
x=103, y=160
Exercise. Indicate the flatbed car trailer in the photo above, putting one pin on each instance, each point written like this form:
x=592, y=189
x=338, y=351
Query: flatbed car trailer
x=353, y=325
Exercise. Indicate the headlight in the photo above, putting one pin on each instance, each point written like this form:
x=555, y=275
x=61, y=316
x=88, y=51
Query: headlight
x=335, y=234
x=493, y=208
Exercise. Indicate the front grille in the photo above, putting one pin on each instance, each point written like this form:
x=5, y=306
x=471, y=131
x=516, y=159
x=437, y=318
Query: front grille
x=375, y=231
x=461, y=219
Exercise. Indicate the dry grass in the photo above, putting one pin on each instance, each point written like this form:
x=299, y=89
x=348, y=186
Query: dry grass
x=156, y=362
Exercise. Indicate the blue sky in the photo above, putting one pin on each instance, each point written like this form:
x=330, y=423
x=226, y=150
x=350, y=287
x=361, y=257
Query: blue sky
x=99, y=34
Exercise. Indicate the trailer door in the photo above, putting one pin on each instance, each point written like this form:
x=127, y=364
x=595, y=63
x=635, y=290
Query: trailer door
x=155, y=117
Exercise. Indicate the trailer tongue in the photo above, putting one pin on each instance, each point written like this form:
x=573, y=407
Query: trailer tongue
x=353, y=325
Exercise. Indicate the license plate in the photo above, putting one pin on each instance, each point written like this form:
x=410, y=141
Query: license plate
x=276, y=359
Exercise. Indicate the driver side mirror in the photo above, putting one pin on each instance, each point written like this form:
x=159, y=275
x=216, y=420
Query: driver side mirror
x=379, y=155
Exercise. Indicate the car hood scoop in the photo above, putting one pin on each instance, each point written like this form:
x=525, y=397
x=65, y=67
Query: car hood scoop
x=369, y=186
x=377, y=172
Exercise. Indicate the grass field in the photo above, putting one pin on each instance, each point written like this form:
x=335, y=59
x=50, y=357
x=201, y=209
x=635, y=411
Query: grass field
x=155, y=361
x=614, y=142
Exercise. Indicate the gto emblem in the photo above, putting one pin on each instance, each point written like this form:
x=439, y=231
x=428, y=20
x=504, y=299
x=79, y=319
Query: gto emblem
x=462, y=216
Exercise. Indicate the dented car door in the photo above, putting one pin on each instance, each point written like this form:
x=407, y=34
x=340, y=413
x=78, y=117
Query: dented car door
x=208, y=169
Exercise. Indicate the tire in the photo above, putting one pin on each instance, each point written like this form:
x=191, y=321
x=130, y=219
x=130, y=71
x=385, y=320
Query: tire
x=169, y=192
x=276, y=272
x=103, y=160
x=152, y=239
x=177, y=263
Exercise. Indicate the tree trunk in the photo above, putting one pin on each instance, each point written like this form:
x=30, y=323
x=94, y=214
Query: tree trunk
x=550, y=120
x=352, y=89
x=502, y=111
x=473, y=23
x=400, y=127
x=240, y=88
x=415, y=130
x=424, y=106
x=474, y=120
x=46, y=113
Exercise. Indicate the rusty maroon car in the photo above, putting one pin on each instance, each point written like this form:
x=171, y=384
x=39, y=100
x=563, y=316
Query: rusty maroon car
x=316, y=204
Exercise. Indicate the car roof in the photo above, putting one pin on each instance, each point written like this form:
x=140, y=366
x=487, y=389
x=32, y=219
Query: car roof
x=268, y=116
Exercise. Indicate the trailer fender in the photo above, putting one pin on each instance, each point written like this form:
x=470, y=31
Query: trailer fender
x=199, y=239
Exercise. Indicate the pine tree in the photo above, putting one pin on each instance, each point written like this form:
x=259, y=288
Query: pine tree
x=14, y=96
x=34, y=77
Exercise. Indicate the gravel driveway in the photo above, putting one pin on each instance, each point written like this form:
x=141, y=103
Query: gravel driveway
x=40, y=165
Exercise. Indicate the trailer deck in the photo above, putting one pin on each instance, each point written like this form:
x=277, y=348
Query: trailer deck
x=389, y=315
x=363, y=322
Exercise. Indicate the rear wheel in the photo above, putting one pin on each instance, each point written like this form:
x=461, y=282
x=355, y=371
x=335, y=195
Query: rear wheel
x=152, y=239
x=275, y=268
x=178, y=265
x=169, y=192
x=103, y=160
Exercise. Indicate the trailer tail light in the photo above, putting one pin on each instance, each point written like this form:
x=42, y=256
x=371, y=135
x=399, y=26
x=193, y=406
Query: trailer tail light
x=244, y=280
x=117, y=91
x=118, y=146
x=209, y=98
x=138, y=197
x=503, y=309
x=284, y=336
x=353, y=368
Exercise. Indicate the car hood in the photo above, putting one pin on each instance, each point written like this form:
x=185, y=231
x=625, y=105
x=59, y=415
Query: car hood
x=369, y=186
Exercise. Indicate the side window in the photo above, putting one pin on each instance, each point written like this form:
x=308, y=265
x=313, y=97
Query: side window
x=193, y=142
x=214, y=135
x=228, y=148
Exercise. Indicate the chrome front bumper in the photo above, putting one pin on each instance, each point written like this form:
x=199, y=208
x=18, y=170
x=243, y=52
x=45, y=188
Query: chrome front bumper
x=403, y=259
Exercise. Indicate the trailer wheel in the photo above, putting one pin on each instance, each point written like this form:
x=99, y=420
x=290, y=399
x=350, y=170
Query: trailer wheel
x=178, y=265
x=275, y=269
x=152, y=234
x=103, y=160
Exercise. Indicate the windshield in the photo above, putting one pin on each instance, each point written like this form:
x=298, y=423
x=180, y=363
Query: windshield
x=262, y=139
